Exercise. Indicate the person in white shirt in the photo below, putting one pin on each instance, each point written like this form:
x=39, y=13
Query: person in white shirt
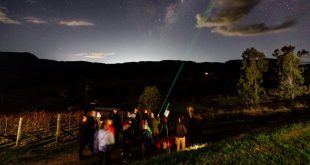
x=105, y=140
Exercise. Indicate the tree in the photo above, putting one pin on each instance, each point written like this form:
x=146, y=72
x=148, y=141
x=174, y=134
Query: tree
x=254, y=65
x=150, y=98
x=290, y=75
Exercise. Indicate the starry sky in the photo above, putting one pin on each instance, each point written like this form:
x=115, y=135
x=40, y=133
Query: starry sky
x=117, y=31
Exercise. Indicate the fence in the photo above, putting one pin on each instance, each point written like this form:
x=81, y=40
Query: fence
x=38, y=128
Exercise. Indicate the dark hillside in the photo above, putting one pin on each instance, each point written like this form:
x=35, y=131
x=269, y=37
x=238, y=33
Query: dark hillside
x=26, y=80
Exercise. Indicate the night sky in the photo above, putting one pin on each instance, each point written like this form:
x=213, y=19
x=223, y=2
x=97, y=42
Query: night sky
x=116, y=31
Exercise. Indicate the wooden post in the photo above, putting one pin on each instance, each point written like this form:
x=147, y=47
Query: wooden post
x=58, y=128
x=48, y=126
x=19, y=131
x=6, y=126
x=69, y=121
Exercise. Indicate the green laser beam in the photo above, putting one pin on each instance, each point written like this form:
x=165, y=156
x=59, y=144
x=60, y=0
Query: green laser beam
x=188, y=52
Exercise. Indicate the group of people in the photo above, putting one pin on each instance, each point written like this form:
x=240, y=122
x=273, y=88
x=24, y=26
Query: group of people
x=135, y=133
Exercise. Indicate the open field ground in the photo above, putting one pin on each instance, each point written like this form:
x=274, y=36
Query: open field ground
x=279, y=137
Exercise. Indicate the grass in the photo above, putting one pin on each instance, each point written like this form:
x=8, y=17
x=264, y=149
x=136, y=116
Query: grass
x=286, y=145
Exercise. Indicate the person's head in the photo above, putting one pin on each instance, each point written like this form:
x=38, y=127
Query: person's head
x=190, y=109
x=152, y=115
x=115, y=111
x=135, y=110
x=98, y=115
x=93, y=113
x=128, y=113
x=84, y=119
x=109, y=122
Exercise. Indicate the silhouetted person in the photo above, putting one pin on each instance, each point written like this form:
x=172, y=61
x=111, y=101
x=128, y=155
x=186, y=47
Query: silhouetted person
x=93, y=126
x=135, y=124
x=191, y=124
x=128, y=139
x=147, y=141
x=154, y=123
x=145, y=115
x=117, y=124
x=195, y=124
x=137, y=118
x=83, y=136
x=181, y=132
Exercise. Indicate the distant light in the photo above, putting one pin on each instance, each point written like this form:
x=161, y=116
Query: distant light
x=206, y=73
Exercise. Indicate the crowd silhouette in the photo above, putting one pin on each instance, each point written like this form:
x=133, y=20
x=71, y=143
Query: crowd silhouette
x=135, y=134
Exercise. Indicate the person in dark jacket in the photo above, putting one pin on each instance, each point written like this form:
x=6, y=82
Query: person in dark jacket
x=181, y=132
x=128, y=138
x=147, y=140
x=117, y=124
x=93, y=126
x=83, y=136
x=191, y=123
x=194, y=124
x=137, y=117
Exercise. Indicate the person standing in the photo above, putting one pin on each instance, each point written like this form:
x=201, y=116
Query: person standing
x=83, y=136
x=154, y=123
x=128, y=138
x=117, y=124
x=191, y=124
x=138, y=118
x=181, y=132
x=147, y=140
x=93, y=125
x=105, y=141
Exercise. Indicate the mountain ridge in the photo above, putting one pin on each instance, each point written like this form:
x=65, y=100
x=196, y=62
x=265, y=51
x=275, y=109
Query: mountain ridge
x=26, y=79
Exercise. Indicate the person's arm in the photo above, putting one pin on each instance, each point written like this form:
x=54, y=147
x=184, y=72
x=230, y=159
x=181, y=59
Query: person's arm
x=184, y=129
x=158, y=119
x=111, y=138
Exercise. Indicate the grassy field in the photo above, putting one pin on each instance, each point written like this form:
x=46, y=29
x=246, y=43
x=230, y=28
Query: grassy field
x=286, y=145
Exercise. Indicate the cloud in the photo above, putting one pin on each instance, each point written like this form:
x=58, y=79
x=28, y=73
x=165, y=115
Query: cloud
x=227, y=12
x=95, y=55
x=226, y=15
x=4, y=18
x=34, y=20
x=252, y=30
x=76, y=23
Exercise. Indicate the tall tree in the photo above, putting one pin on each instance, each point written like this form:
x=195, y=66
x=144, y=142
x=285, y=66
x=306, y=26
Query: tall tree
x=290, y=75
x=150, y=98
x=254, y=65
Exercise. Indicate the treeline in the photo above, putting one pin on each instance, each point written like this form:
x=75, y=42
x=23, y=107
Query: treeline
x=289, y=80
